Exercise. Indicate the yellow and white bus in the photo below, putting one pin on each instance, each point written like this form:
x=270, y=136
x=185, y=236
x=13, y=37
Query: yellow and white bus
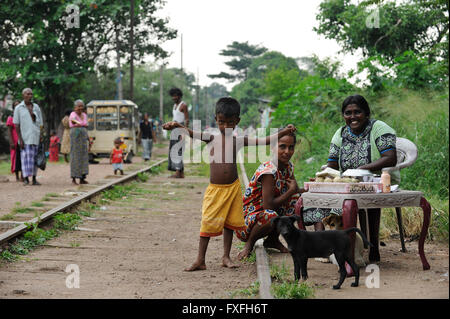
x=108, y=120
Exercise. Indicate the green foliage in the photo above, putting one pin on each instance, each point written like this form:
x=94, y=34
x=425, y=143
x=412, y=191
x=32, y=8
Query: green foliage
x=397, y=27
x=292, y=290
x=66, y=221
x=40, y=51
x=8, y=256
x=404, y=44
x=311, y=104
x=242, y=55
x=143, y=177
x=251, y=291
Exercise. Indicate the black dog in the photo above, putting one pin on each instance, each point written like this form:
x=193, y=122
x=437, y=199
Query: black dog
x=304, y=244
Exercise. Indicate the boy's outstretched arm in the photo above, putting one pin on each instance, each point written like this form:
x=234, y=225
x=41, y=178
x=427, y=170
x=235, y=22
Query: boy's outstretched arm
x=198, y=135
x=266, y=140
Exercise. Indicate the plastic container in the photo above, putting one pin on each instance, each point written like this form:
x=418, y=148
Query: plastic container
x=386, y=181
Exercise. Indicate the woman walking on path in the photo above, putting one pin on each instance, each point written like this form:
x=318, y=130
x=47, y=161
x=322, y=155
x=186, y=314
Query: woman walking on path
x=79, y=140
x=65, y=144
x=16, y=166
x=180, y=115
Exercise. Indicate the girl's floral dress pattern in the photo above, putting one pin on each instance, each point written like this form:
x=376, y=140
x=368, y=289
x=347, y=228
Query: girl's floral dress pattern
x=254, y=213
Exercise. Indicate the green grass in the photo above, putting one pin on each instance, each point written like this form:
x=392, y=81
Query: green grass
x=9, y=216
x=250, y=292
x=21, y=210
x=292, y=290
x=52, y=195
x=284, y=288
x=143, y=177
x=37, y=204
x=5, y=168
x=36, y=236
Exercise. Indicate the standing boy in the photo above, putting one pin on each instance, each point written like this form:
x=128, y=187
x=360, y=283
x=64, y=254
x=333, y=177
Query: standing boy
x=222, y=210
x=116, y=157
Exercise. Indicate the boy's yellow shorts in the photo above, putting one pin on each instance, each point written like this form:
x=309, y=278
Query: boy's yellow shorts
x=222, y=207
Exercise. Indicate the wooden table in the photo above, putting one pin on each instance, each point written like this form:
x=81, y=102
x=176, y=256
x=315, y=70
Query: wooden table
x=350, y=203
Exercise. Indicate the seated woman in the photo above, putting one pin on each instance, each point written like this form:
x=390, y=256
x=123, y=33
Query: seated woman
x=271, y=192
x=363, y=143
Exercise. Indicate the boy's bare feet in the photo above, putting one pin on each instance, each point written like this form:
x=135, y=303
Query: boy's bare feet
x=226, y=262
x=275, y=244
x=196, y=266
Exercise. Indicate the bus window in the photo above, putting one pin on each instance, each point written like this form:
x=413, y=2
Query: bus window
x=90, y=113
x=126, y=117
x=107, y=118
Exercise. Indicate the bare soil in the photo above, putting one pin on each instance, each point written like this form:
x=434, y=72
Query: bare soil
x=401, y=274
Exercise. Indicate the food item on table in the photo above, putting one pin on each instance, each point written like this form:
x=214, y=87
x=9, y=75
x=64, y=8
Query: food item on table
x=330, y=172
x=320, y=179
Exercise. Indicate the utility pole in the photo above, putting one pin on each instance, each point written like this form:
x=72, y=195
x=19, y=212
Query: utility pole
x=132, y=50
x=181, y=53
x=161, y=84
x=119, y=73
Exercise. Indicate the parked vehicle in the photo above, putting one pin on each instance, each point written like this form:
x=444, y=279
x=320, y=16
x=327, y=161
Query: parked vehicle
x=108, y=120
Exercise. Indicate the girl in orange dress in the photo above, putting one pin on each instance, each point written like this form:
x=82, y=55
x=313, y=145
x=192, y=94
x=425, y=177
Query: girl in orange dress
x=54, y=147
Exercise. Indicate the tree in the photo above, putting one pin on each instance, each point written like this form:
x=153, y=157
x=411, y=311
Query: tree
x=242, y=55
x=324, y=68
x=387, y=28
x=407, y=39
x=40, y=50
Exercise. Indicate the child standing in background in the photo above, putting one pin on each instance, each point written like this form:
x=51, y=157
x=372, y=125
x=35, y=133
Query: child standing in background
x=116, y=157
x=54, y=147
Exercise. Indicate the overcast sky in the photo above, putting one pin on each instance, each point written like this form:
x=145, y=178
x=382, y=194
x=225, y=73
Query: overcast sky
x=208, y=26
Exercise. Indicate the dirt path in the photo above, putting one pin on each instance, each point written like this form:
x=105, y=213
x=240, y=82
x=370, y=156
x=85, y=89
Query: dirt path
x=140, y=251
x=401, y=274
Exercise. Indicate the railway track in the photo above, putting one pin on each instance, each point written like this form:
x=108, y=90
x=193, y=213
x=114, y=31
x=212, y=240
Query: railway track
x=21, y=227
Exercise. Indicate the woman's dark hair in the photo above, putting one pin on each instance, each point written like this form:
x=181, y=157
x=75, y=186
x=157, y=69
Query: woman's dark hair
x=228, y=106
x=175, y=91
x=358, y=100
x=67, y=112
x=290, y=134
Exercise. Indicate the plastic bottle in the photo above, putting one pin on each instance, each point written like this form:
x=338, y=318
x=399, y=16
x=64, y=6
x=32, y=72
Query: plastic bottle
x=386, y=181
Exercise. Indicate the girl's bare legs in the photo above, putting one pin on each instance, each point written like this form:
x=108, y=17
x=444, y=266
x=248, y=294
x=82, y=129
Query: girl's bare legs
x=227, y=241
x=200, y=264
x=257, y=232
